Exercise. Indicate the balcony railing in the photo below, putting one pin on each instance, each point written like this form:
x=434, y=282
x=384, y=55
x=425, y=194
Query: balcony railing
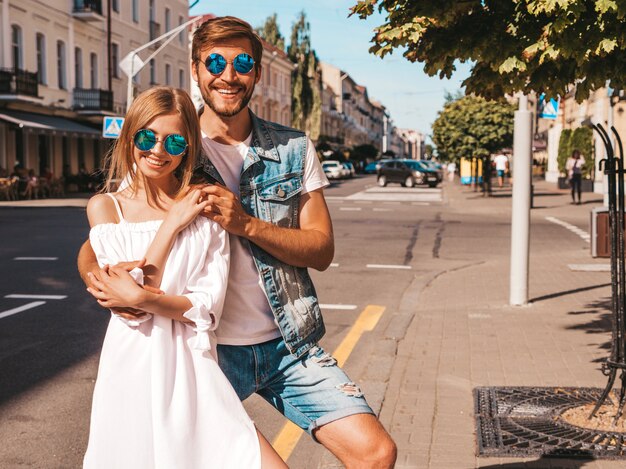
x=88, y=10
x=155, y=30
x=16, y=81
x=92, y=100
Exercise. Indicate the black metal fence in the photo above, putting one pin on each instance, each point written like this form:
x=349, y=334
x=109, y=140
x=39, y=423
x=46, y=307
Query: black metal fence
x=17, y=81
x=81, y=6
x=92, y=100
x=614, y=170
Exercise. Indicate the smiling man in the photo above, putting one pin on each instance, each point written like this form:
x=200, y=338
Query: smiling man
x=270, y=199
x=266, y=189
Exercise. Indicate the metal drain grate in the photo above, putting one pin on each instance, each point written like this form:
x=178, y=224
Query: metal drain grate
x=526, y=421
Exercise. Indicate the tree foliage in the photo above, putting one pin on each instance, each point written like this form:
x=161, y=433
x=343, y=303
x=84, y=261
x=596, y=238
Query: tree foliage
x=306, y=104
x=473, y=127
x=363, y=152
x=271, y=33
x=565, y=149
x=514, y=45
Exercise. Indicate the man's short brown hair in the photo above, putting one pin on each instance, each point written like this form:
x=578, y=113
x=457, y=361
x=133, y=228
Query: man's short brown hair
x=222, y=29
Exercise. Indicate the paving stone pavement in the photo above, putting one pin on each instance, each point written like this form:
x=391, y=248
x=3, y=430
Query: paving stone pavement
x=464, y=334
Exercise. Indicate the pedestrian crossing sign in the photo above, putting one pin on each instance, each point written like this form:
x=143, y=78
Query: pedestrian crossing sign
x=548, y=109
x=112, y=126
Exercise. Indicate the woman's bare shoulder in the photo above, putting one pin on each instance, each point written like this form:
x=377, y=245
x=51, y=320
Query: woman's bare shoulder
x=101, y=209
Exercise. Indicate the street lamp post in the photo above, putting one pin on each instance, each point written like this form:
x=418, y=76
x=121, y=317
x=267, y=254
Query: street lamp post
x=520, y=218
x=132, y=64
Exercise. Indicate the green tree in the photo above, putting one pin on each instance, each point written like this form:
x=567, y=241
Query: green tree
x=514, y=45
x=565, y=149
x=473, y=127
x=306, y=85
x=429, y=151
x=363, y=152
x=271, y=33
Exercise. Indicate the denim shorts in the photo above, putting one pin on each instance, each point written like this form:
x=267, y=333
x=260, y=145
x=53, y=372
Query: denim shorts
x=311, y=391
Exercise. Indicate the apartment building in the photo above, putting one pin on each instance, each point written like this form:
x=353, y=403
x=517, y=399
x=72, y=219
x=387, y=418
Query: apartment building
x=350, y=118
x=60, y=74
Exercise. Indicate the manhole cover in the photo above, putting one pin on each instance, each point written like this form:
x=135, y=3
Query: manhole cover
x=526, y=421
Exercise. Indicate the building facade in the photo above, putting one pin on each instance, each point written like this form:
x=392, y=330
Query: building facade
x=60, y=75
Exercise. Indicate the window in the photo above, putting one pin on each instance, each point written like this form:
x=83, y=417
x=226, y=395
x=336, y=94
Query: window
x=115, y=6
x=181, y=78
x=93, y=70
x=41, y=59
x=17, y=47
x=168, y=23
x=181, y=34
x=78, y=67
x=115, y=60
x=135, y=7
x=152, y=72
x=168, y=74
x=61, y=72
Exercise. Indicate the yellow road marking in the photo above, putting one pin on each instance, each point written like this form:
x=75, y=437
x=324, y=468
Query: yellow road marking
x=290, y=434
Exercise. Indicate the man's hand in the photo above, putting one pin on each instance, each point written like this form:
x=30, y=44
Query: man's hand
x=224, y=208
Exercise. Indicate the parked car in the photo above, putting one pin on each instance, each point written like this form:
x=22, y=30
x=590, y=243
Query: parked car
x=373, y=167
x=349, y=167
x=333, y=169
x=406, y=172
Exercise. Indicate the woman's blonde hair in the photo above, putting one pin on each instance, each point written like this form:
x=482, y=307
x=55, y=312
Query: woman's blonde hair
x=149, y=105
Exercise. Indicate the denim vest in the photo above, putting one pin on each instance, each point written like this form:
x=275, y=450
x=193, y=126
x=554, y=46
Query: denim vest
x=270, y=189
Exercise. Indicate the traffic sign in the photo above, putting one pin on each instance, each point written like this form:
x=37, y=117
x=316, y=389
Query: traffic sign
x=112, y=126
x=548, y=109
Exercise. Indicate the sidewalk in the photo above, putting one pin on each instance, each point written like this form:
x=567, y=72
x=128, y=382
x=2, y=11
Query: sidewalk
x=464, y=334
x=72, y=200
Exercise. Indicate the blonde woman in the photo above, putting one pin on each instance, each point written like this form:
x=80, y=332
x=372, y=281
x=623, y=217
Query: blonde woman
x=160, y=399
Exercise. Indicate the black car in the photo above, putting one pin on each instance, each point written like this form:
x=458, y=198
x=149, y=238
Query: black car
x=406, y=172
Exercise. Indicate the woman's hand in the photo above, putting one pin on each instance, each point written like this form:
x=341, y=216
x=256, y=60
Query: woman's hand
x=185, y=210
x=116, y=288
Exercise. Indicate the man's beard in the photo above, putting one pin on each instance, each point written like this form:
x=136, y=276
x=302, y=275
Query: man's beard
x=230, y=112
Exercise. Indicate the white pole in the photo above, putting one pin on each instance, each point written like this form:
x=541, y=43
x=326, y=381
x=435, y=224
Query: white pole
x=520, y=217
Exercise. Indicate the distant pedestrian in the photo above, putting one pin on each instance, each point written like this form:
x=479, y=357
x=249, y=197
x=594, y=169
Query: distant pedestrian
x=574, y=167
x=451, y=170
x=501, y=162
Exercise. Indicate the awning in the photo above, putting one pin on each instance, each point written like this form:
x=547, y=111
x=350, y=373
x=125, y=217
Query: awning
x=40, y=123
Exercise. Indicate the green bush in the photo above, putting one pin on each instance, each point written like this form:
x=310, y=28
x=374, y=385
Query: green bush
x=565, y=149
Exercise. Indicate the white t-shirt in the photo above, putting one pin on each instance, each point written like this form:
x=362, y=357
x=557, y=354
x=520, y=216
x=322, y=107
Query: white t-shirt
x=247, y=318
x=501, y=162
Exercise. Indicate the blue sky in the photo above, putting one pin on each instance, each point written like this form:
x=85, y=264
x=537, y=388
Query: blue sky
x=411, y=97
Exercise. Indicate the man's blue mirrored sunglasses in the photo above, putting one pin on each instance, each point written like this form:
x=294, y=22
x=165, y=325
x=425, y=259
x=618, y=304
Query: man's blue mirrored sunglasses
x=216, y=63
x=174, y=144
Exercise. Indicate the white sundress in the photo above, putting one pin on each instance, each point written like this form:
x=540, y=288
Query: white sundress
x=160, y=399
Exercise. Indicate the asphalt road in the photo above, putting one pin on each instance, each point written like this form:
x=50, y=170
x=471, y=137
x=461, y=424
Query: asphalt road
x=51, y=331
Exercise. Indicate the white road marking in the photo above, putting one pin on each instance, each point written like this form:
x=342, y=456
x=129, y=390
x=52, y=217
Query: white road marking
x=399, y=194
x=387, y=266
x=574, y=229
x=19, y=309
x=334, y=264
x=350, y=209
x=382, y=209
x=36, y=297
x=589, y=267
x=35, y=258
x=345, y=307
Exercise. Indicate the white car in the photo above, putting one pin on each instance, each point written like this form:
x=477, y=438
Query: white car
x=333, y=169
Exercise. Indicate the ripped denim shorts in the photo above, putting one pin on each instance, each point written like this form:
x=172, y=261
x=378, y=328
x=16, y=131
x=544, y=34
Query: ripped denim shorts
x=311, y=391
